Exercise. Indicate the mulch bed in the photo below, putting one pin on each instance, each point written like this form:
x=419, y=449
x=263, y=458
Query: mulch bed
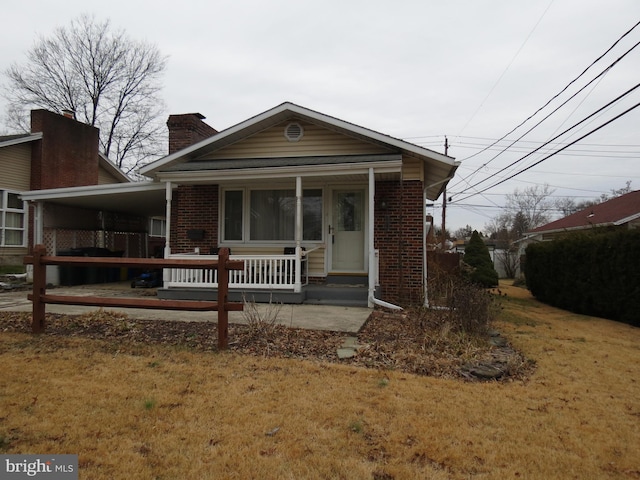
x=401, y=342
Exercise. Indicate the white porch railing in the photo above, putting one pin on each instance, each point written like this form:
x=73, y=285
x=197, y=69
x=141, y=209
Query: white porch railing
x=267, y=272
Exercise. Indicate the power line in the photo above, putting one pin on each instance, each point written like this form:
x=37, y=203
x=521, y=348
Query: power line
x=507, y=67
x=555, y=153
x=618, y=98
x=553, y=98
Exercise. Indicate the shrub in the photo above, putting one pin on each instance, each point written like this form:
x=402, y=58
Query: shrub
x=468, y=308
x=476, y=255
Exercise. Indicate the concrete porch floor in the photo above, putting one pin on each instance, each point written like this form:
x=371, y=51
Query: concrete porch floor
x=313, y=317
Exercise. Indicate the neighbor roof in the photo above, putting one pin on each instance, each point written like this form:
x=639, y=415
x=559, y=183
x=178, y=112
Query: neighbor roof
x=617, y=211
x=8, y=140
x=441, y=168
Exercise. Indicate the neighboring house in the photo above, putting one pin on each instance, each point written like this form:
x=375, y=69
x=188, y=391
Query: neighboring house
x=619, y=212
x=304, y=199
x=59, y=152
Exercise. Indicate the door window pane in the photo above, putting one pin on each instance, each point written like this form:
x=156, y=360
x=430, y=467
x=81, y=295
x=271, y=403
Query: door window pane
x=349, y=211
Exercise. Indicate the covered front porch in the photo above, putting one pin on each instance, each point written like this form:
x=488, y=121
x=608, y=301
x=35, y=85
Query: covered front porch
x=320, y=250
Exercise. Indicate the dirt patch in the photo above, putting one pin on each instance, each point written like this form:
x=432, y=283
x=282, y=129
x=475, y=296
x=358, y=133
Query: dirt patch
x=404, y=342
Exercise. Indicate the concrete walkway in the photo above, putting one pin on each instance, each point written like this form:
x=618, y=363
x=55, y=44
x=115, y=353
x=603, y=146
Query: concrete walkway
x=313, y=317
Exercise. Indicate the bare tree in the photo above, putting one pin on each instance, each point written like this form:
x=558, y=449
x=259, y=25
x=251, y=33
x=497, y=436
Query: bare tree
x=107, y=79
x=533, y=204
x=524, y=210
x=567, y=205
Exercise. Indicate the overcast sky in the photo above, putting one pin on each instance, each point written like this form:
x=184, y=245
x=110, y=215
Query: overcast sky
x=418, y=70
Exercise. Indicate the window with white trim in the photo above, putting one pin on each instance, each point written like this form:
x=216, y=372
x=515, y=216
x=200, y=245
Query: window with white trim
x=269, y=215
x=13, y=214
x=158, y=227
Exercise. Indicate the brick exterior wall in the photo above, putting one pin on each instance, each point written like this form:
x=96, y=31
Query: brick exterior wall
x=194, y=207
x=67, y=154
x=399, y=238
x=187, y=129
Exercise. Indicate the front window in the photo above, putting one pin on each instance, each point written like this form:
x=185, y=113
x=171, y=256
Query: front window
x=269, y=215
x=13, y=213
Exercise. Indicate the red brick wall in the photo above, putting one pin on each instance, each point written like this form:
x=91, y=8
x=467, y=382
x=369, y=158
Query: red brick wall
x=67, y=155
x=399, y=239
x=187, y=129
x=194, y=207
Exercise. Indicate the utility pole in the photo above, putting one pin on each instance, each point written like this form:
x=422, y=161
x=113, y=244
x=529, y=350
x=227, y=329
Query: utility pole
x=444, y=201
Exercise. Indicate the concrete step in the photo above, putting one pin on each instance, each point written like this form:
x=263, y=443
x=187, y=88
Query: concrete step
x=337, y=294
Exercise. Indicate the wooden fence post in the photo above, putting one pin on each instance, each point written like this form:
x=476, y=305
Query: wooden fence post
x=223, y=291
x=39, y=289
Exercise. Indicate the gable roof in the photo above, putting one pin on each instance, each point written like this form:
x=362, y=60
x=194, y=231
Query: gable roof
x=617, y=211
x=441, y=168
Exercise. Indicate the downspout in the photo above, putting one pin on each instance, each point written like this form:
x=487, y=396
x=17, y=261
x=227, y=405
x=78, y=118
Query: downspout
x=424, y=244
x=373, y=274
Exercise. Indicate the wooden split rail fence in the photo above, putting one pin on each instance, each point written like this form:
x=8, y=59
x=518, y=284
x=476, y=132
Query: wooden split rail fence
x=39, y=259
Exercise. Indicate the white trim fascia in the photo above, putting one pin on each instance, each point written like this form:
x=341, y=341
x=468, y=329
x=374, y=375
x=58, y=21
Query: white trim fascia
x=305, y=112
x=95, y=190
x=113, y=168
x=204, y=176
x=16, y=141
x=573, y=229
x=628, y=219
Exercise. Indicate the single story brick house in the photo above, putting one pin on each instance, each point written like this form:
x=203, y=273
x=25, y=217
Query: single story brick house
x=306, y=199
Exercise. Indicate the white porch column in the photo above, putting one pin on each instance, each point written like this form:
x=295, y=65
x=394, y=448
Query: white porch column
x=38, y=225
x=298, y=269
x=166, y=273
x=167, y=232
x=38, y=237
x=372, y=253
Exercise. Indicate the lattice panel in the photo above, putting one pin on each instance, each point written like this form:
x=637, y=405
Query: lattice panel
x=61, y=239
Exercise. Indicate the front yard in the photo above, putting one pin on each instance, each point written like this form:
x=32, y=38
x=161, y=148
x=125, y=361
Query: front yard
x=172, y=408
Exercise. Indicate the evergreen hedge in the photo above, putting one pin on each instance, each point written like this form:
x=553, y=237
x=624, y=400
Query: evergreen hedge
x=595, y=273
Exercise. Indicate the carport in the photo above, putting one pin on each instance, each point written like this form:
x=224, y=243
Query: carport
x=95, y=219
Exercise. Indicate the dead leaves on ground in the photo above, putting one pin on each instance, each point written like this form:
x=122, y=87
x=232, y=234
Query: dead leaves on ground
x=387, y=341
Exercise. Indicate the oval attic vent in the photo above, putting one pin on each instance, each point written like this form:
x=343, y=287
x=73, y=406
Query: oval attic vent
x=293, y=132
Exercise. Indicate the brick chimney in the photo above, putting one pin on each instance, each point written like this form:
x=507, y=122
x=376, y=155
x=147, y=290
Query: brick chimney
x=67, y=154
x=186, y=129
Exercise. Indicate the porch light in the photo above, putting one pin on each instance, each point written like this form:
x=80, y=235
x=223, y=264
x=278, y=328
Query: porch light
x=383, y=204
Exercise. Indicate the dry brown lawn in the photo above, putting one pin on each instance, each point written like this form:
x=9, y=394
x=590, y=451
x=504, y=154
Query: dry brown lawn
x=162, y=412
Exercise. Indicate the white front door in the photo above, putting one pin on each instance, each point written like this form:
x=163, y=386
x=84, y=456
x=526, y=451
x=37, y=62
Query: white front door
x=347, y=230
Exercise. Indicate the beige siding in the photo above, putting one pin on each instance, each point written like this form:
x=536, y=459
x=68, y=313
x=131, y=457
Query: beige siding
x=106, y=178
x=316, y=140
x=316, y=262
x=15, y=164
x=412, y=169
